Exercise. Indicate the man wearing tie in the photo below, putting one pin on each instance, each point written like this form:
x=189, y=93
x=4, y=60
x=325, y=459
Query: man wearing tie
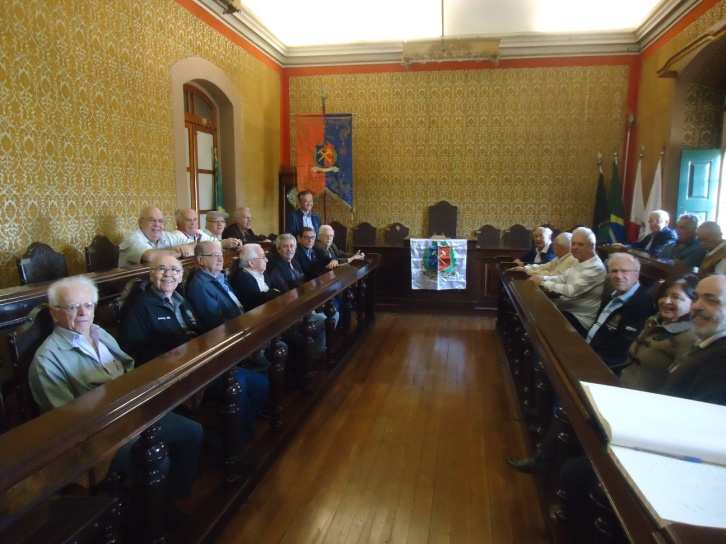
x=303, y=216
x=313, y=260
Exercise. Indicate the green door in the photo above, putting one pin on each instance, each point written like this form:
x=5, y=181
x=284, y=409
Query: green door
x=698, y=183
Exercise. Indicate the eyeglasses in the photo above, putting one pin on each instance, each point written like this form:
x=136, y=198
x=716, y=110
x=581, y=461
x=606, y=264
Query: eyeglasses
x=154, y=221
x=163, y=269
x=212, y=255
x=308, y=237
x=73, y=308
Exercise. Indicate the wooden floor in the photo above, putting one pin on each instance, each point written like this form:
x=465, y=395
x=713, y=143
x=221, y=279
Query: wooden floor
x=408, y=446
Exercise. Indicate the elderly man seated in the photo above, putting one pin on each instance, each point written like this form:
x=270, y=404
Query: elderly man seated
x=579, y=288
x=150, y=239
x=688, y=250
x=216, y=222
x=542, y=251
x=710, y=237
x=337, y=257
x=562, y=261
x=249, y=280
x=660, y=236
x=80, y=356
x=187, y=223
x=241, y=227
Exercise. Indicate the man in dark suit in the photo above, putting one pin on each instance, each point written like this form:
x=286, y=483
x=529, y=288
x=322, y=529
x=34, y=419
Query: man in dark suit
x=337, y=256
x=303, y=216
x=313, y=261
x=622, y=315
x=207, y=289
x=661, y=235
x=285, y=271
x=241, y=227
x=542, y=250
x=249, y=281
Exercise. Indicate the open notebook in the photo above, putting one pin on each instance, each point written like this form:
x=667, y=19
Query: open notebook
x=672, y=450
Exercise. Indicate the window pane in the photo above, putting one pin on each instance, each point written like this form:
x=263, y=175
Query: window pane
x=186, y=144
x=201, y=108
x=206, y=191
x=205, y=141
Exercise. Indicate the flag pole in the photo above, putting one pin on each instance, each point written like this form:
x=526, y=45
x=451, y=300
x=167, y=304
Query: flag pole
x=628, y=130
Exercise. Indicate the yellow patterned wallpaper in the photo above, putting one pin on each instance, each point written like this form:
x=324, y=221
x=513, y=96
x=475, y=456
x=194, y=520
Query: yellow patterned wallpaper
x=703, y=116
x=506, y=146
x=85, y=119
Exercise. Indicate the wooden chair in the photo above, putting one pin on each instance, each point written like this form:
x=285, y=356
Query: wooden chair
x=364, y=235
x=101, y=255
x=341, y=235
x=442, y=219
x=517, y=237
x=488, y=236
x=22, y=344
x=395, y=234
x=41, y=263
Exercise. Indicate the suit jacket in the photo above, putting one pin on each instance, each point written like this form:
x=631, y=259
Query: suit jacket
x=312, y=266
x=709, y=263
x=334, y=253
x=546, y=257
x=295, y=222
x=701, y=375
x=246, y=236
x=622, y=327
x=149, y=327
x=662, y=239
x=285, y=276
x=690, y=255
x=246, y=288
x=210, y=301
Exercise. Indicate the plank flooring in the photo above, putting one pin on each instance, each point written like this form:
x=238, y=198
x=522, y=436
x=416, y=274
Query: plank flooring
x=407, y=447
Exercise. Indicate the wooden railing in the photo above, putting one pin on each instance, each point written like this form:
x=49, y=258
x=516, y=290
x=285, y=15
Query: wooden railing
x=43, y=455
x=547, y=359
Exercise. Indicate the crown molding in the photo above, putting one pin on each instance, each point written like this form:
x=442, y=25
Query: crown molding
x=512, y=46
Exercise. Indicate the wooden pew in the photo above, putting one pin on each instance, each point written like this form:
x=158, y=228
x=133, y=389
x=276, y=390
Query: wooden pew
x=46, y=453
x=533, y=331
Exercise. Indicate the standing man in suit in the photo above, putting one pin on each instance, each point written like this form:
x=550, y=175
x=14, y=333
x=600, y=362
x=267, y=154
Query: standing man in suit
x=337, y=256
x=303, y=216
x=542, y=252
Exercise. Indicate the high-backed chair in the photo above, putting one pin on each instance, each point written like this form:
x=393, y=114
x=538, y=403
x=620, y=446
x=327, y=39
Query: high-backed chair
x=364, y=235
x=442, y=219
x=41, y=263
x=518, y=237
x=101, y=255
x=341, y=235
x=488, y=236
x=395, y=234
x=22, y=344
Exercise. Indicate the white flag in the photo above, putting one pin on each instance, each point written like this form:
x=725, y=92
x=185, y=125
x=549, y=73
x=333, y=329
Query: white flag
x=438, y=264
x=655, y=201
x=637, y=208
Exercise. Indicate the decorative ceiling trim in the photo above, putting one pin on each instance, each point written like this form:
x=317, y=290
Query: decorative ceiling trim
x=513, y=46
x=679, y=60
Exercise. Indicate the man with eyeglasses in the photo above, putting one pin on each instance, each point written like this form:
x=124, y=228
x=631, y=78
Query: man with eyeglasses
x=312, y=259
x=150, y=239
x=157, y=319
x=216, y=222
x=187, y=223
x=80, y=356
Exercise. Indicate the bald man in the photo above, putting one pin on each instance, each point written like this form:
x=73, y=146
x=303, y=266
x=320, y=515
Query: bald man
x=150, y=240
x=241, y=227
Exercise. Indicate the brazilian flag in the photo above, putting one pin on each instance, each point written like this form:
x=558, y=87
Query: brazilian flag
x=617, y=210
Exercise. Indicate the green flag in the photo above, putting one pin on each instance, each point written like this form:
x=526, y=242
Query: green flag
x=218, y=191
x=615, y=204
x=601, y=217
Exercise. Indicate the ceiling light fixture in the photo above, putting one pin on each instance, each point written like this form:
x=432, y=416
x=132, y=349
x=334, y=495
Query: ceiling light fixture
x=455, y=49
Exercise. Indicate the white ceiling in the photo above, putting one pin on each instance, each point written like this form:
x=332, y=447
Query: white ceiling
x=296, y=23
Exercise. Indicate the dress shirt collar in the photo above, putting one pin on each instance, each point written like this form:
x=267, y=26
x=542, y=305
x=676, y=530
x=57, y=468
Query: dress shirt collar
x=76, y=339
x=716, y=249
x=703, y=344
x=626, y=295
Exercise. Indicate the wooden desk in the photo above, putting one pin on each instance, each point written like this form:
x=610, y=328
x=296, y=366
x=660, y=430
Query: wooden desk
x=482, y=279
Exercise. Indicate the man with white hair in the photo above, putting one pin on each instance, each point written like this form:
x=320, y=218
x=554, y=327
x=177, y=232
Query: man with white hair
x=187, y=223
x=216, y=223
x=249, y=281
x=542, y=251
x=579, y=288
x=710, y=237
x=688, y=251
x=285, y=270
x=562, y=261
x=326, y=244
x=80, y=356
x=622, y=314
x=660, y=235
x=150, y=239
